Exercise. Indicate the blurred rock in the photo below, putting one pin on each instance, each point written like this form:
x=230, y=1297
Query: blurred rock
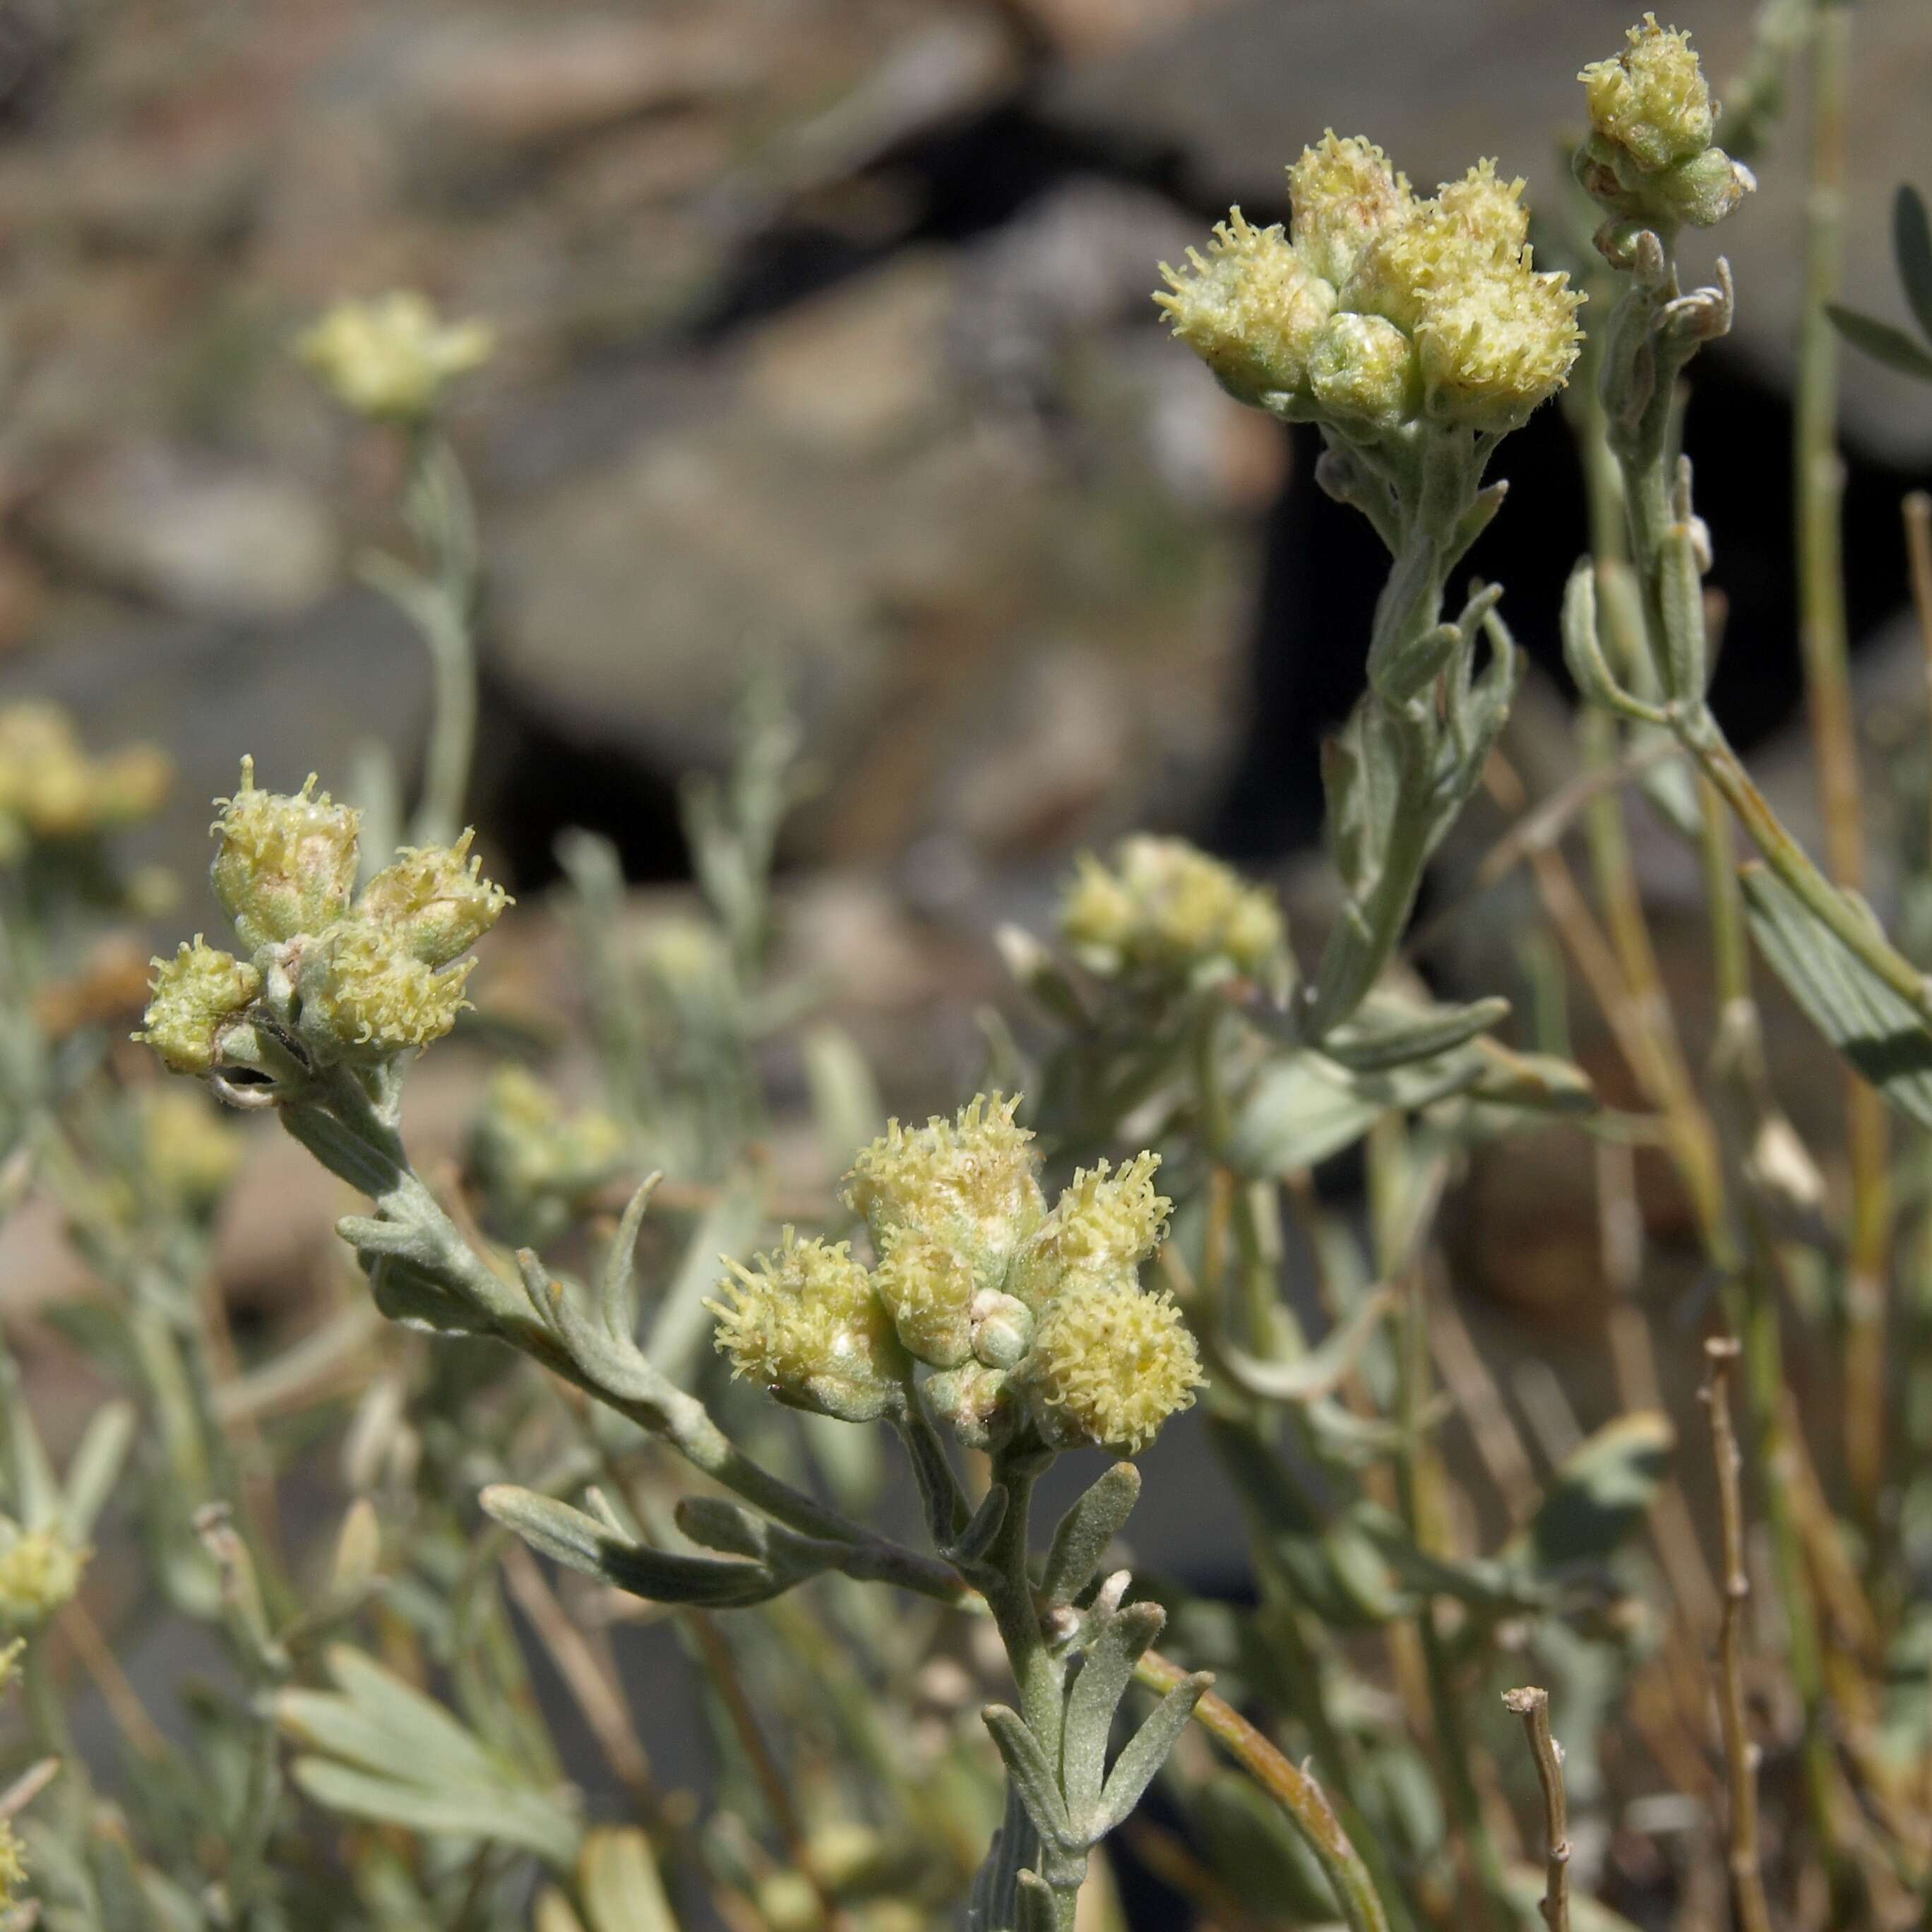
x=188, y=530
x=847, y=495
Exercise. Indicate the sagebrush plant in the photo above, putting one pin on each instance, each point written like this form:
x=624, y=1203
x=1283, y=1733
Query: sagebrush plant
x=686, y=1413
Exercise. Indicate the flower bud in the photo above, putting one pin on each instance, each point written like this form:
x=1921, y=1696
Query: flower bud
x=971, y=1400
x=1344, y=192
x=1002, y=1329
x=1105, y=1222
x=1649, y=160
x=1109, y=1365
x=966, y=1184
x=365, y=996
x=524, y=1146
x=1652, y=100
x=928, y=1291
x=1250, y=309
x=1166, y=910
x=390, y=358
x=194, y=994
x=51, y=789
x=435, y=899
x=1363, y=371
x=285, y=865
x=808, y=1328
x=40, y=1571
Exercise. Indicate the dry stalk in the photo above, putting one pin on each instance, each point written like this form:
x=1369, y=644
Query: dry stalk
x=1740, y=1755
x=1532, y=1706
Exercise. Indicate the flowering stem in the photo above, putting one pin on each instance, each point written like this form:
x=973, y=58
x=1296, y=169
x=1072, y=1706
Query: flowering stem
x=351, y=1132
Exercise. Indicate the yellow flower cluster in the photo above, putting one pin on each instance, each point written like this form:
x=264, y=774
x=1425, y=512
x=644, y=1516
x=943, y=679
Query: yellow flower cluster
x=525, y=1147
x=977, y=1279
x=1168, y=911
x=364, y=979
x=1378, y=306
x=1650, y=158
x=390, y=357
x=40, y=1571
x=51, y=790
x=192, y=998
x=805, y=1324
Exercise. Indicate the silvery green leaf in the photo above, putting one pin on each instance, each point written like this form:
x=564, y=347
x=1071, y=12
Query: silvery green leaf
x=1482, y=1583
x=680, y=1326
x=1033, y=1775
x=95, y=1466
x=376, y=1719
x=1868, y=1023
x=1146, y=1751
x=402, y=1295
x=1412, y=668
x=992, y=1905
x=618, y=1880
x=1303, y=1107
x=1328, y=1566
x=579, y=1542
x=720, y=1524
x=1106, y=1669
x=617, y=1285
x=1912, y=245
x=1249, y=1843
x=1540, y=1080
x=1316, y=1373
x=503, y=1817
x=1602, y=1493
x=973, y=1542
x=940, y=1495
x=1384, y=1032
x=1081, y=1540
x=1035, y=1900
x=1582, y=646
x=1681, y=591
x=1881, y=342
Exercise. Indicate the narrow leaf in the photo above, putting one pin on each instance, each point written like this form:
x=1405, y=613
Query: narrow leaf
x=1106, y=1672
x=1146, y=1751
x=1882, y=342
x=1386, y=1032
x=1874, y=1029
x=518, y=1819
x=1316, y=1373
x=579, y=1542
x=617, y=1287
x=96, y=1466
x=1602, y=1493
x=1032, y=1776
x=1080, y=1542
x=976, y=1538
x=1911, y=244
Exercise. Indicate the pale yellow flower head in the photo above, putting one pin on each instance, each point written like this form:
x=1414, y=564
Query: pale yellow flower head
x=1107, y=1222
x=435, y=899
x=1109, y=1364
x=927, y=1287
x=191, y=997
x=1652, y=100
x=525, y=1145
x=1344, y=192
x=1364, y=372
x=50, y=788
x=1250, y=308
x=285, y=864
x=13, y=1865
x=1165, y=908
x=967, y=1183
x=40, y=1571
x=188, y=1155
x=366, y=996
x=804, y=1324
x=390, y=357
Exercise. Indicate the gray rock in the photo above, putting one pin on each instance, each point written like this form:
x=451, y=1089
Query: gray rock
x=191, y=531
